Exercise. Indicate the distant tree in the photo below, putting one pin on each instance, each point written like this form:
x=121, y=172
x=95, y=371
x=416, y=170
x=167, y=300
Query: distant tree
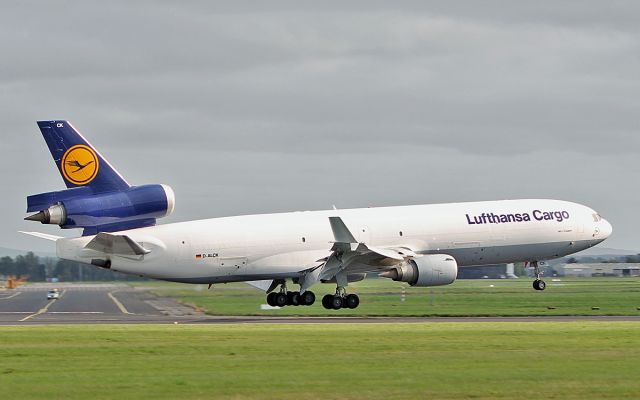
x=7, y=266
x=633, y=259
x=572, y=260
x=519, y=269
x=29, y=265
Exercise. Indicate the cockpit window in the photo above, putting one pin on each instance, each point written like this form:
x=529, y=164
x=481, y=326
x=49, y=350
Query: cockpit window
x=596, y=217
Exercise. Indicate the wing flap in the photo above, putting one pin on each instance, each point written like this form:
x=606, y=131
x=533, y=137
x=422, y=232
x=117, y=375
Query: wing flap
x=387, y=253
x=266, y=285
x=349, y=256
x=116, y=244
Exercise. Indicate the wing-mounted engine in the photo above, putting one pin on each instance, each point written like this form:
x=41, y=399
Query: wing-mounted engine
x=428, y=270
x=134, y=207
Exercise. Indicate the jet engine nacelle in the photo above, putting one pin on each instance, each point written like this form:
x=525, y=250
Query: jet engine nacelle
x=134, y=207
x=428, y=270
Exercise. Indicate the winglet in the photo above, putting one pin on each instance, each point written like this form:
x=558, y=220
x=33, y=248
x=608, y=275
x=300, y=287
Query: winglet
x=340, y=231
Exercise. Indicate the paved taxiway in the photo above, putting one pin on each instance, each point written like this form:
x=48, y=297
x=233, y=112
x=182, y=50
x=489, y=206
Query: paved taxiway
x=88, y=303
x=122, y=304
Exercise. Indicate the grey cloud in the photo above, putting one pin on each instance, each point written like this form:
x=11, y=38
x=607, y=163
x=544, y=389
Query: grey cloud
x=287, y=105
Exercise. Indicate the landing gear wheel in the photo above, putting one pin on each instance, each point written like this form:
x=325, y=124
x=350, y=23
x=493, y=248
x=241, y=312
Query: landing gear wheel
x=307, y=298
x=352, y=301
x=539, y=284
x=337, y=302
x=293, y=298
x=271, y=299
x=281, y=300
x=327, y=301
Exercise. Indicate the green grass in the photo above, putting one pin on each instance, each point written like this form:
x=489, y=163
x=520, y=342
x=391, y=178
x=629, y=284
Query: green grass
x=577, y=360
x=577, y=296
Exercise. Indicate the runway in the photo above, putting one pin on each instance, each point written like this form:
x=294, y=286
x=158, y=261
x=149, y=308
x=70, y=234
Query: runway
x=123, y=304
x=89, y=304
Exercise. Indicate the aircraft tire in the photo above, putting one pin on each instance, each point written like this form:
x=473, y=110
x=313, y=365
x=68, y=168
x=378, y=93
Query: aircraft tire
x=327, y=301
x=352, y=301
x=337, y=302
x=293, y=298
x=281, y=300
x=539, y=284
x=307, y=298
x=271, y=299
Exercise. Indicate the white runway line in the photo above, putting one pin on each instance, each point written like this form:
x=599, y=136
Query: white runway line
x=44, y=309
x=118, y=304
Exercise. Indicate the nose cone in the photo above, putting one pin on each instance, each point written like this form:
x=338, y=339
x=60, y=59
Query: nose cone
x=605, y=228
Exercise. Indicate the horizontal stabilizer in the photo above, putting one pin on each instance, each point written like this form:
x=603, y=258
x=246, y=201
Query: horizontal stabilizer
x=116, y=244
x=42, y=235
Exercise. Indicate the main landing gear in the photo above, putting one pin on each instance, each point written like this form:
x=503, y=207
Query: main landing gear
x=538, y=284
x=340, y=300
x=286, y=298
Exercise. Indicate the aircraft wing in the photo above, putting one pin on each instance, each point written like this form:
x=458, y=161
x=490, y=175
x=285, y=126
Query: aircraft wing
x=121, y=245
x=348, y=256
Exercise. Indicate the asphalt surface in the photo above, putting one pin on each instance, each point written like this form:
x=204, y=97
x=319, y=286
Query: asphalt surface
x=122, y=304
x=89, y=303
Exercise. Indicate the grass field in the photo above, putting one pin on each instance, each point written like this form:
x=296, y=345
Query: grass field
x=577, y=360
x=611, y=296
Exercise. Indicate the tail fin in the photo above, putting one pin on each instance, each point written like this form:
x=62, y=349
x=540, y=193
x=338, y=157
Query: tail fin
x=79, y=163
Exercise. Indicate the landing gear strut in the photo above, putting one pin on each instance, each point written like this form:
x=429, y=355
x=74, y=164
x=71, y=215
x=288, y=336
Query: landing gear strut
x=286, y=298
x=538, y=284
x=340, y=300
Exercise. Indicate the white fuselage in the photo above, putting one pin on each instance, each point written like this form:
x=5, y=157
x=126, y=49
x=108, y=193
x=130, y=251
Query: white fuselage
x=271, y=246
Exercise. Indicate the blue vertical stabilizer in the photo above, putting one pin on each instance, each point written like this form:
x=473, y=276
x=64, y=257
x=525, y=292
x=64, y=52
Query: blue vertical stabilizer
x=79, y=163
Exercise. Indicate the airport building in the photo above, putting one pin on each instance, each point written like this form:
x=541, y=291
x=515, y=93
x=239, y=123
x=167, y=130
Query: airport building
x=600, y=269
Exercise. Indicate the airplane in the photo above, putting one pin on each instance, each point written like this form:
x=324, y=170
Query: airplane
x=422, y=245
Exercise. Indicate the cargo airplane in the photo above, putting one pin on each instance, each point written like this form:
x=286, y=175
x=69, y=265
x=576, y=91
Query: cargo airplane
x=422, y=245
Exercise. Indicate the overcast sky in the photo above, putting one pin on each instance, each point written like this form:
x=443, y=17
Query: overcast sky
x=279, y=106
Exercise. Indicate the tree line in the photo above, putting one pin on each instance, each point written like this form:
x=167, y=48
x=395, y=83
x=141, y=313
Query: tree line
x=42, y=269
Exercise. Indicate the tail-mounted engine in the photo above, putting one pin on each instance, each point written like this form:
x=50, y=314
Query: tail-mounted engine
x=135, y=207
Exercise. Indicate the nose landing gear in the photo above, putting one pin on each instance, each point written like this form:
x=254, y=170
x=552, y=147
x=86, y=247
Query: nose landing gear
x=538, y=284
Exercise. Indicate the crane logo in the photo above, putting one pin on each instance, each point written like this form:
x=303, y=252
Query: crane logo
x=79, y=164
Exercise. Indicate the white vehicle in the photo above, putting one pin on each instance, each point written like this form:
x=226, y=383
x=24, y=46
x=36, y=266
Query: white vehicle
x=423, y=245
x=53, y=294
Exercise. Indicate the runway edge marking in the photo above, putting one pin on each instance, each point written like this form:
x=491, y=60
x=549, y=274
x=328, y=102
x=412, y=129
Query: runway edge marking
x=118, y=304
x=43, y=309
